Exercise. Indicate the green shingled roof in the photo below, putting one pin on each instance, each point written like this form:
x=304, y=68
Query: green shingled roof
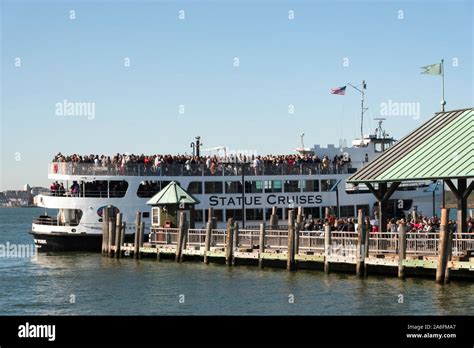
x=172, y=194
x=441, y=148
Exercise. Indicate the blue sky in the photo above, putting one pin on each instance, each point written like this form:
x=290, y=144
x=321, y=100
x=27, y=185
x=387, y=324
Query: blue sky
x=190, y=62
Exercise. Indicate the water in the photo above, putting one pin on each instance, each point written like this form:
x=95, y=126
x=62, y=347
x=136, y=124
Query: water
x=98, y=285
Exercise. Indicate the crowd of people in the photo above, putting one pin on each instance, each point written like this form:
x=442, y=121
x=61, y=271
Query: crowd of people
x=418, y=224
x=158, y=163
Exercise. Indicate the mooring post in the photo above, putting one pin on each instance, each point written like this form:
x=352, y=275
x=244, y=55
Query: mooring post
x=181, y=231
x=122, y=238
x=211, y=218
x=290, y=262
x=449, y=251
x=360, y=252
x=207, y=245
x=105, y=229
x=136, y=247
x=261, y=245
x=184, y=240
x=366, y=243
x=140, y=238
x=442, y=247
x=118, y=235
x=229, y=242
x=299, y=227
x=327, y=247
x=236, y=236
x=235, y=242
x=274, y=219
x=111, y=236
x=402, y=248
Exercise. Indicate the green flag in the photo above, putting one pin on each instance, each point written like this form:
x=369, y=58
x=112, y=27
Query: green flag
x=433, y=69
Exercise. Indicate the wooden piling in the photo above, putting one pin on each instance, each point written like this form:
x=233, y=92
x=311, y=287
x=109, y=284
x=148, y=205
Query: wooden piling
x=105, y=230
x=136, y=247
x=449, y=251
x=442, y=247
x=360, y=252
x=118, y=235
x=327, y=247
x=402, y=249
x=229, y=241
x=122, y=238
x=366, y=242
x=110, y=251
x=207, y=243
x=181, y=236
x=274, y=219
x=235, y=242
x=290, y=262
x=211, y=218
x=299, y=227
x=261, y=245
x=140, y=238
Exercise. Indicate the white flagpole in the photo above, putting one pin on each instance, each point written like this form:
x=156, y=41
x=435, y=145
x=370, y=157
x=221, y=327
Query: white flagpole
x=443, y=101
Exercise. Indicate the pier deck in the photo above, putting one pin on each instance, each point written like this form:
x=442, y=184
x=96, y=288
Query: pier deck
x=327, y=250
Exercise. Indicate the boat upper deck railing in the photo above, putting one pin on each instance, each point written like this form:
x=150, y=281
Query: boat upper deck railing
x=178, y=169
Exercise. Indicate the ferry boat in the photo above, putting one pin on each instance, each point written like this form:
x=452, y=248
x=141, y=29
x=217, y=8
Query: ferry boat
x=242, y=191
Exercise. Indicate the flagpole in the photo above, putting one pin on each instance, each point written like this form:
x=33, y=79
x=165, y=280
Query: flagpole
x=362, y=116
x=443, y=101
x=362, y=109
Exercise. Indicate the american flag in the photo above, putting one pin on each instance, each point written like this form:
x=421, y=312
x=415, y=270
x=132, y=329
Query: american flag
x=339, y=90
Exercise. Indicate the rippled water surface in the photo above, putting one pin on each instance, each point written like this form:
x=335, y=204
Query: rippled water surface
x=98, y=285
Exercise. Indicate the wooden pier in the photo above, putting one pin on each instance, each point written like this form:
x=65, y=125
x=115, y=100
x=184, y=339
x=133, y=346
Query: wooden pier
x=442, y=255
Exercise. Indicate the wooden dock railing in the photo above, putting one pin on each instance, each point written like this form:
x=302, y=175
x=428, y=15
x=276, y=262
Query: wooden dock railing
x=331, y=249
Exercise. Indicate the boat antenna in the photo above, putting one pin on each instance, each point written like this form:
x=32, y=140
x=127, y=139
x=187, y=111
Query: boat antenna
x=362, y=108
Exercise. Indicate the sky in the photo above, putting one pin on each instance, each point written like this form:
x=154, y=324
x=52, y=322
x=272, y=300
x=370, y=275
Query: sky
x=249, y=75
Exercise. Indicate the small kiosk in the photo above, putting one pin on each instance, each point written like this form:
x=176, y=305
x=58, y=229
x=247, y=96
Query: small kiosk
x=168, y=203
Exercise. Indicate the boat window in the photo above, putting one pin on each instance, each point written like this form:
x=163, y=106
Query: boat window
x=254, y=186
x=96, y=189
x=254, y=214
x=118, y=188
x=327, y=184
x=310, y=185
x=292, y=186
x=213, y=187
x=148, y=189
x=347, y=211
x=145, y=214
x=273, y=186
x=315, y=212
x=268, y=213
x=236, y=214
x=195, y=187
x=233, y=187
